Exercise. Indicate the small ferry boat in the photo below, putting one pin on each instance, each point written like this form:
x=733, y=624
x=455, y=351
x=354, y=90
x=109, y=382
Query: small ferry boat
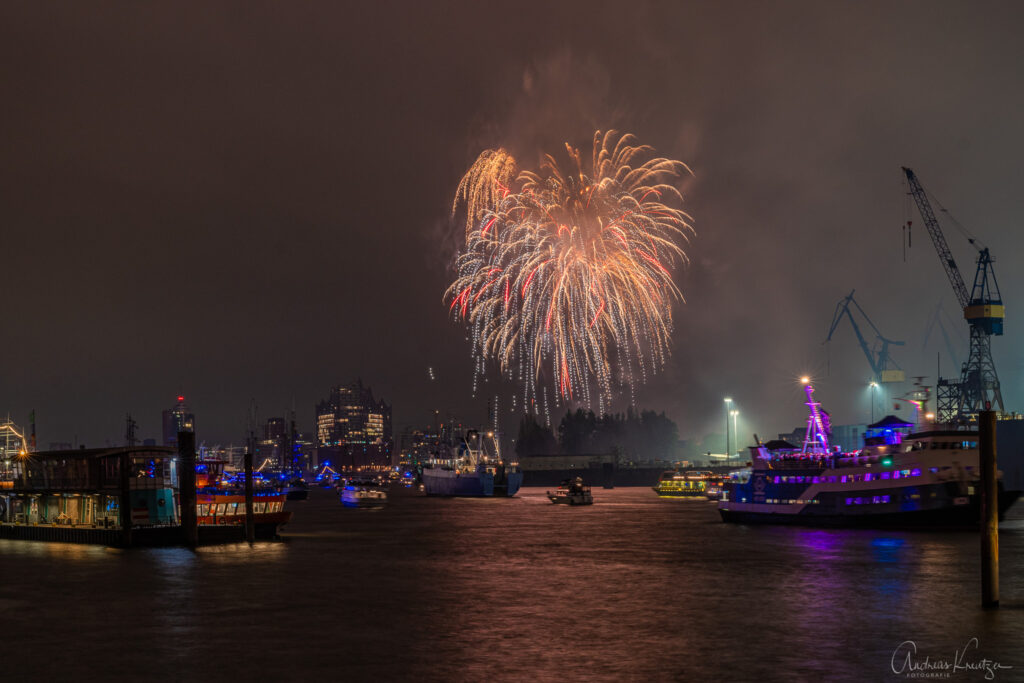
x=218, y=508
x=675, y=484
x=906, y=475
x=572, y=493
x=362, y=494
x=219, y=503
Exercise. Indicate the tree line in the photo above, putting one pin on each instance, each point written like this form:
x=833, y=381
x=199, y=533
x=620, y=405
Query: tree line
x=644, y=435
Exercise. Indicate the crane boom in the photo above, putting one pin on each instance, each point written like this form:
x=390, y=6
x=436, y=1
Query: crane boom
x=880, y=363
x=978, y=388
x=938, y=239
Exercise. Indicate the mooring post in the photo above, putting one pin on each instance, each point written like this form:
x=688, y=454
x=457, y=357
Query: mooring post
x=250, y=521
x=187, y=488
x=126, y=500
x=989, y=510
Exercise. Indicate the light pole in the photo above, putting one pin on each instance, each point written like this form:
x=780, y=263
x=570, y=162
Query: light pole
x=735, y=432
x=874, y=385
x=728, y=405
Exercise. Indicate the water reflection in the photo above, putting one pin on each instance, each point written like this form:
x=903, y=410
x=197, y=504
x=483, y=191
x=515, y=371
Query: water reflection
x=55, y=551
x=887, y=549
x=630, y=588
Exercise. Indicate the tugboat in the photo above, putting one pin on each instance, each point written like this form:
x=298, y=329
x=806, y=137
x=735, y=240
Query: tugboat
x=674, y=484
x=901, y=478
x=363, y=494
x=572, y=493
x=472, y=472
x=297, y=489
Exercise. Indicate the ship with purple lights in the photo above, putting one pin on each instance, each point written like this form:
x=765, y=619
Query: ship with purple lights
x=906, y=475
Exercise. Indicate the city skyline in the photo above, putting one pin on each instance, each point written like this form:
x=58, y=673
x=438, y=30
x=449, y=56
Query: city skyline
x=201, y=221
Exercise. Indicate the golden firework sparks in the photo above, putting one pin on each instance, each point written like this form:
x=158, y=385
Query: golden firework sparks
x=566, y=272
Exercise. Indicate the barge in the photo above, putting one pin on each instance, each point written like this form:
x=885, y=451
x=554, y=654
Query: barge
x=125, y=496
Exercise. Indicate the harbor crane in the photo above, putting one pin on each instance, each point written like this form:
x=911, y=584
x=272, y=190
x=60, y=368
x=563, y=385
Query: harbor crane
x=939, y=319
x=883, y=368
x=978, y=388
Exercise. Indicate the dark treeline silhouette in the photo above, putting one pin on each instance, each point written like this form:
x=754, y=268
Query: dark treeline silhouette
x=646, y=435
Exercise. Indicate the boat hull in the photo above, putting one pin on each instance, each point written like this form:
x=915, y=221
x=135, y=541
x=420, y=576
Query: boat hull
x=441, y=482
x=954, y=516
x=361, y=500
x=228, y=509
x=678, y=494
x=578, y=499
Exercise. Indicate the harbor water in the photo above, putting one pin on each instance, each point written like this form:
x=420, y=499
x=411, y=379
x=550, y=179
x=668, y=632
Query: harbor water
x=631, y=588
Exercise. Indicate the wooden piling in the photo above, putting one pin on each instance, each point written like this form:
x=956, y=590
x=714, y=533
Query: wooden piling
x=187, y=488
x=250, y=520
x=125, y=502
x=989, y=510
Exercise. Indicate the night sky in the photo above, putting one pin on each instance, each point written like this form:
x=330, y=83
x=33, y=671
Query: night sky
x=251, y=201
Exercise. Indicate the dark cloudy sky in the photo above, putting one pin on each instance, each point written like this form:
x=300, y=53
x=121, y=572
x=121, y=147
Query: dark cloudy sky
x=251, y=200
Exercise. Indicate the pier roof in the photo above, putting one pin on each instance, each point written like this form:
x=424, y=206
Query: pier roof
x=89, y=453
x=889, y=422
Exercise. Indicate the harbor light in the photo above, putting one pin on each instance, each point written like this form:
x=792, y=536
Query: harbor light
x=805, y=380
x=728, y=450
x=735, y=432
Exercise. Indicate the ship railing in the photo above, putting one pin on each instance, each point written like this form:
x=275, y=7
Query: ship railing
x=797, y=462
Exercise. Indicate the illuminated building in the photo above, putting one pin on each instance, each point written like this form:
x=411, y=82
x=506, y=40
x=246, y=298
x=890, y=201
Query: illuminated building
x=353, y=429
x=282, y=447
x=177, y=419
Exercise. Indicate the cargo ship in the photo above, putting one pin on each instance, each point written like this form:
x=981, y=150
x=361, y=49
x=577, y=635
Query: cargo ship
x=472, y=472
x=906, y=475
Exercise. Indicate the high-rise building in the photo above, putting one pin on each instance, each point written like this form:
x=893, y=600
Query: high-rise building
x=177, y=419
x=353, y=424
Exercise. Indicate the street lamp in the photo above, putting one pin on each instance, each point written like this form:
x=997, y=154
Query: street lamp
x=728, y=405
x=874, y=385
x=735, y=432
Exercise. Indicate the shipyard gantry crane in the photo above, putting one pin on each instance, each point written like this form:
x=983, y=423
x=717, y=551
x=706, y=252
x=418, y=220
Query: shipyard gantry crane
x=978, y=388
x=879, y=361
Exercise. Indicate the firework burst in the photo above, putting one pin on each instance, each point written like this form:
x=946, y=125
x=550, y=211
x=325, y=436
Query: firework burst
x=566, y=272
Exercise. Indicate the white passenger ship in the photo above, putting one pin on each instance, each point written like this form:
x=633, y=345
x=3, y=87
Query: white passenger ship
x=904, y=476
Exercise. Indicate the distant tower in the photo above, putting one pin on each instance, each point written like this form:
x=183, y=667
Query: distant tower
x=130, y=427
x=177, y=419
